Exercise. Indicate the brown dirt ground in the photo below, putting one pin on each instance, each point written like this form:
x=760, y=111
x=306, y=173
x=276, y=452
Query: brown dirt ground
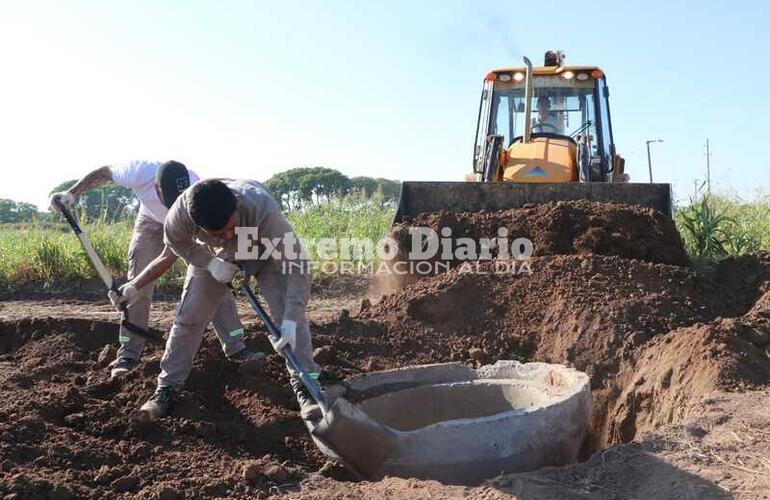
x=676, y=355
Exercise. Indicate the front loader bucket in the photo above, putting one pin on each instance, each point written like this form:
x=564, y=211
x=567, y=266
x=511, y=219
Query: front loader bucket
x=427, y=197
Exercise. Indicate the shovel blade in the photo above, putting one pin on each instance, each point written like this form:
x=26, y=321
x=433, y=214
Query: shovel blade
x=359, y=442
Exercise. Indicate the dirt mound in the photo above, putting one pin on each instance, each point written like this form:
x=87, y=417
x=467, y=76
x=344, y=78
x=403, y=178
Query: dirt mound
x=561, y=228
x=67, y=431
x=654, y=338
x=611, y=317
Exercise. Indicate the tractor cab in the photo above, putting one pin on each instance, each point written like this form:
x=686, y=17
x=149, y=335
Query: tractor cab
x=546, y=124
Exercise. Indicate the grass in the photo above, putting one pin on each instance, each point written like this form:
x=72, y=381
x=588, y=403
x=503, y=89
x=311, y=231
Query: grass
x=352, y=217
x=49, y=256
x=714, y=227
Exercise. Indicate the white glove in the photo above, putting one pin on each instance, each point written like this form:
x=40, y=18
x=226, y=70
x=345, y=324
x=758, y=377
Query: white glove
x=63, y=198
x=125, y=295
x=221, y=270
x=288, y=336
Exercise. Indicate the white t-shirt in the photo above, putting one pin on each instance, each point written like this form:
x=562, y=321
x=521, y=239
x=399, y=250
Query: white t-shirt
x=557, y=127
x=139, y=176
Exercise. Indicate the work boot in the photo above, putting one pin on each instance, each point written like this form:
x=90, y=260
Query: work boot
x=121, y=366
x=161, y=402
x=245, y=356
x=308, y=408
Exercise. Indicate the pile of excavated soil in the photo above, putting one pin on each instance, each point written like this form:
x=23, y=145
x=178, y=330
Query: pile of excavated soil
x=559, y=228
x=67, y=431
x=652, y=337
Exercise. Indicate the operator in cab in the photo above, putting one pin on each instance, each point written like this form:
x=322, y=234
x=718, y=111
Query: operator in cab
x=546, y=122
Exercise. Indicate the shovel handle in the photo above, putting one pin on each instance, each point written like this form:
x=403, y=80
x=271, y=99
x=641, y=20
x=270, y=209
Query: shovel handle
x=104, y=274
x=309, y=382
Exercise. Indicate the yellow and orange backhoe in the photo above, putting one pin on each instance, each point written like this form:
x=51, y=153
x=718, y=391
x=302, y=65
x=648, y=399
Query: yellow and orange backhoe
x=543, y=134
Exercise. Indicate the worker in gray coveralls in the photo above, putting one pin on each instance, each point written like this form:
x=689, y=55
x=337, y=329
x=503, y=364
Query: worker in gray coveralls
x=201, y=229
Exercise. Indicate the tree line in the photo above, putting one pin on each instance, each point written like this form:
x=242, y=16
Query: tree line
x=301, y=187
x=294, y=189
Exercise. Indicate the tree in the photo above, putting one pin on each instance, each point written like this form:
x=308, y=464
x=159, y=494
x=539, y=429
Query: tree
x=13, y=211
x=303, y=186
x=297, y=187
x=109, y=202
x=369, y=186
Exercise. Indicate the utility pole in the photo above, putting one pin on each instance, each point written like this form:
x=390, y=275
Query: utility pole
x=708, y=167
x=649, y=161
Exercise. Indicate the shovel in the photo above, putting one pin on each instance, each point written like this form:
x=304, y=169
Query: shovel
x=105, y=275
x=360, y=443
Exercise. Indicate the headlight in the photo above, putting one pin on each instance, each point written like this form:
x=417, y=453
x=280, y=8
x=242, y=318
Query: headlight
x=504, y=77
x=518, y=77
x=582, y=76
x=568, y=75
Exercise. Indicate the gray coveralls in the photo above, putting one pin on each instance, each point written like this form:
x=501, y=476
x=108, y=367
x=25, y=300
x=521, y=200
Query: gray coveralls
x=286, y=294
x=146, y=244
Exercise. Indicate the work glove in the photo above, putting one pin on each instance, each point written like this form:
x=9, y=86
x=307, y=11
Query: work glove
x=288, y=336
x=126, y=294
x=62, y=198
x=221, y=270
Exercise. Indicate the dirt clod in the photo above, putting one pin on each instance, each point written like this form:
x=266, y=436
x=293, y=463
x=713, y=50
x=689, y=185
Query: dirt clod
x=125, y=484
x=323, y=355
x=107, y=355
x=277, y=473
x=251, y=471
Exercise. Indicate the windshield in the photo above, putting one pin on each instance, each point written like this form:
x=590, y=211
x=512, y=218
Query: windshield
x=558, y=107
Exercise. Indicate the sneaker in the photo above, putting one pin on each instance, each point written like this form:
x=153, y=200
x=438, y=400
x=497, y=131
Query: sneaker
x=121, y=366
x=161, y=402
x=246, y=356
x=308, y=408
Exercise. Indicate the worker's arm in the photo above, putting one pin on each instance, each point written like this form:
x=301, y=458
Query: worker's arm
x=92, y=180
x=155, y=269
x=127, y=293
x=291, y=260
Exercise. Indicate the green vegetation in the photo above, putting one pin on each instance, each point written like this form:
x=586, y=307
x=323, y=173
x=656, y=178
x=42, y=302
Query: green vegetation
x=17, y=211
x=717, y=226
x=302, y=187
x=49, y=255
x=355, y=217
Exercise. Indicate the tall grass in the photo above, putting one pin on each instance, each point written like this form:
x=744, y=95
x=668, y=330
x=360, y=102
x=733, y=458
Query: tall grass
x=716, y=226
x=353, y=217
x=49, y=255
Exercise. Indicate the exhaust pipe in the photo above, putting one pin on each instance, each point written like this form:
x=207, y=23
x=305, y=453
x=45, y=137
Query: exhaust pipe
x=528, y=91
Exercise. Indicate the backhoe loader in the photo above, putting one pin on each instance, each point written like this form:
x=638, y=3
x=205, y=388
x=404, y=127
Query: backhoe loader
x=543, y=134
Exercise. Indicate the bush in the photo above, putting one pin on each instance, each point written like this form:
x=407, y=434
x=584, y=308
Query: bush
x=717, y=226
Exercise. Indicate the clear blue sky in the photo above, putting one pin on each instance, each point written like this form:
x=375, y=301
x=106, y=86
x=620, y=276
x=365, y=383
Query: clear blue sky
x=391, y=89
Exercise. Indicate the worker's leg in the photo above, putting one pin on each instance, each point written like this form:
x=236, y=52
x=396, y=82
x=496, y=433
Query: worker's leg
x=201, y=298
x=228, y=326
x=146, y=244
x=273, y=286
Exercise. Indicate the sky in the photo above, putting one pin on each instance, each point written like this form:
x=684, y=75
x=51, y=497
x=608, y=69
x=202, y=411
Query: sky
x=246, y=89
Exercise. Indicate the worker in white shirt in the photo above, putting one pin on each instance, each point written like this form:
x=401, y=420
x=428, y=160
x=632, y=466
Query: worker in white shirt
x=156, y=186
